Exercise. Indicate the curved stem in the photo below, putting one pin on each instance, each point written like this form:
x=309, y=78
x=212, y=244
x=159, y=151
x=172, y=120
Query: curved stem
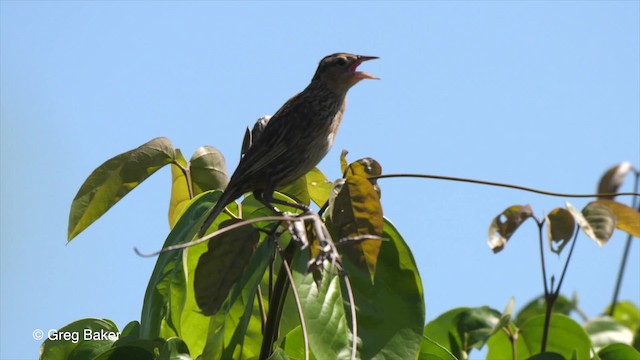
x=276, y=304
x=542, y=263
x=566, y=263
x=296, y=297
x=492, y=183
x=187, y=175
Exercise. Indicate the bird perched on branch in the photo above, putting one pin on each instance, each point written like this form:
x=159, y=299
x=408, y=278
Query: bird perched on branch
x=296, y=137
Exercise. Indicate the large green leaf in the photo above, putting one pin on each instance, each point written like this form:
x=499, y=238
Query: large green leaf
x=322, y=308
x=235, y=330
x=158, y=294
x=566, y=336
x=391, y=311
x=112, y=180
x=222, y=265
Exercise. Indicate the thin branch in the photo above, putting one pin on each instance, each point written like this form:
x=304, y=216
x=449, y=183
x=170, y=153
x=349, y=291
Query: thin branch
x=542, y=262
x=224, y=230
x=296, y=297
x=492, y=183
x=566, y=263
x=187, y=175
x=276, y=304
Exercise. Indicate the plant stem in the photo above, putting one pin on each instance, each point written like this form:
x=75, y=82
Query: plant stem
x=542, y=265
x=276, y=304
x=510, y=186
x=625, y=254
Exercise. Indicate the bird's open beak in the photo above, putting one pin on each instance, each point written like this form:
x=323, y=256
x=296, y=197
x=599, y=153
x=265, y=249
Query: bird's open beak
x=359, y=75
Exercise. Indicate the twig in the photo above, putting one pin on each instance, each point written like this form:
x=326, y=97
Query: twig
x=224, y=230
x=492, y=183
x=296, y=297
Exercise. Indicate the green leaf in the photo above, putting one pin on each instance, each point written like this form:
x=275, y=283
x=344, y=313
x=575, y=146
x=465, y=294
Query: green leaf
x=112, y=180
x=565, y=336
x=504, y=225
x=627, y=313
x=439, y=331
x=501, y=346
x=71, y=341
x=475, y=325
x=179, y=189
x=560, y=228
x=599, y=215
x=391, y=311
x=601, y=220
x=297, y=190
x=322, y=308
x=618, y=352
x=208, y=170
x=627, y=218
x=612, y=179
x=235, y=330
x=319, y=187
x=294, y=344
x=538, y=305
x=356, y=217
x=155, y=300
x=222, y=265
x=605, y=331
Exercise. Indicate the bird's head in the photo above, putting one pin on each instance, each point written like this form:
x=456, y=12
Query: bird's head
x=339, y=71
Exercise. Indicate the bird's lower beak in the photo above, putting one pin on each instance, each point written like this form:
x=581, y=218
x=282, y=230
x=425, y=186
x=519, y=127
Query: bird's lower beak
x=359, y=75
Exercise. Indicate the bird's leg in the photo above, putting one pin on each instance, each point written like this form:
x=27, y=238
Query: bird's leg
x=266, y=197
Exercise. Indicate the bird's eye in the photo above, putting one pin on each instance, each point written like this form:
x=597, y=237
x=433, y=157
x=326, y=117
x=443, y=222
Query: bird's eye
x=341, y=62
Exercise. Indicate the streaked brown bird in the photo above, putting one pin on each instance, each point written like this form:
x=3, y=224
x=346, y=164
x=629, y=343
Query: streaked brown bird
x=297, y=136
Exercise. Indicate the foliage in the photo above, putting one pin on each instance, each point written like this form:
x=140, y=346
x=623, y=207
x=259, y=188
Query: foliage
x=339, y=284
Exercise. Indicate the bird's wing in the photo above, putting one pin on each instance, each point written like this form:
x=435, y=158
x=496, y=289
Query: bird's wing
x=273, y=142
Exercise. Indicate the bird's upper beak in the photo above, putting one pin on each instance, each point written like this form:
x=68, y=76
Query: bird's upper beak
x=359, y=75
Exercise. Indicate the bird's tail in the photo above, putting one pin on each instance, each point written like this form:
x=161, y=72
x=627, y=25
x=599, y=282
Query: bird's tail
x=223, y=201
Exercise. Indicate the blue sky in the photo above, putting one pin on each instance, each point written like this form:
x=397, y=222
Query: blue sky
x=540, y=94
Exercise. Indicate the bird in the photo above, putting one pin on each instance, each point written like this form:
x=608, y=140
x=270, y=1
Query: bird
x=297, y=137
